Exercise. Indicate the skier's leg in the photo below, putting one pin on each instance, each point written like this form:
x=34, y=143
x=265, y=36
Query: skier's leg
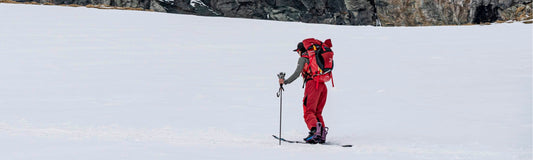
x=310, y=104
x=321, y=103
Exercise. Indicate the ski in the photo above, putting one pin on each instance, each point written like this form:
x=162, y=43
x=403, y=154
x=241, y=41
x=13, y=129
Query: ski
x=302, y=142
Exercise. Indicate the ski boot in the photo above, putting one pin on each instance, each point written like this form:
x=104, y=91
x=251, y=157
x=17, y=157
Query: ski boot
x=312, y=137
x=315, y=135
x=323, y=133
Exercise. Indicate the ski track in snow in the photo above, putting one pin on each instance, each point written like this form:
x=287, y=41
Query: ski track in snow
x=217, y=138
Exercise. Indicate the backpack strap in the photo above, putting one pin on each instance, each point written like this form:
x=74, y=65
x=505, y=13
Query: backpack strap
x=332, y=84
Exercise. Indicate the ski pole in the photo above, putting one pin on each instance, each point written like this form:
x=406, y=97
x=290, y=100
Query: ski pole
x=281, y=75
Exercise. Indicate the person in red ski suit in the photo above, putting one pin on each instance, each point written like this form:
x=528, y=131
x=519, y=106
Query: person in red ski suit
x=314, y=100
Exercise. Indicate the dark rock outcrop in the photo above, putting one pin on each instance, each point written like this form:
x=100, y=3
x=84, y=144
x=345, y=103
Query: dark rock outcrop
x=450, y=12
x=341, y=12
x=309, y=11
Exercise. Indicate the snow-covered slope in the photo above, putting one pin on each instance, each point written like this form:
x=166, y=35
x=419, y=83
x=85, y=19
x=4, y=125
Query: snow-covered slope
x=79, y=83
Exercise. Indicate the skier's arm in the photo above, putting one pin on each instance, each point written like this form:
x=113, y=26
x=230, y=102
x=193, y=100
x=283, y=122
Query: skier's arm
x=296, y=74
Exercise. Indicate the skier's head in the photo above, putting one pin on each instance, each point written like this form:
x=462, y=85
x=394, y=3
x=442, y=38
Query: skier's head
x=300, y=48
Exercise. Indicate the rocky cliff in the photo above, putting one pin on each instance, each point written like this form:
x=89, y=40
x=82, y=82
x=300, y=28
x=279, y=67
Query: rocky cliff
x=342, y=12
x=450, y=12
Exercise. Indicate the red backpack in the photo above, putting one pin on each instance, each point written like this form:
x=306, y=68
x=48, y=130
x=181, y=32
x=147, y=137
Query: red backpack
x=320, y=58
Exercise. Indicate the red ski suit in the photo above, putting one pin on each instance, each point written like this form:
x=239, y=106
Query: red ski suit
x=315, y=96
x=311, y=66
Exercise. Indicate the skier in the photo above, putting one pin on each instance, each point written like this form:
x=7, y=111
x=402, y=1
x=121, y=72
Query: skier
x=314, y=96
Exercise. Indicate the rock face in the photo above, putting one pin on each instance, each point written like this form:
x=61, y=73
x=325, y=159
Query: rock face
x=309, y=11
x=450, y=12
x=341, y=12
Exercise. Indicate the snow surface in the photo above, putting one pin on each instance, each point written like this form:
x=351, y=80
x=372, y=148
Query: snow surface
x=80, y=83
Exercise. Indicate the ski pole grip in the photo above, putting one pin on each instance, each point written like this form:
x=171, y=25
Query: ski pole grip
x=281, y=75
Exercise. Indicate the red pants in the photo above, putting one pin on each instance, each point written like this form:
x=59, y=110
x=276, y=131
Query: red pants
x=314, y=100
